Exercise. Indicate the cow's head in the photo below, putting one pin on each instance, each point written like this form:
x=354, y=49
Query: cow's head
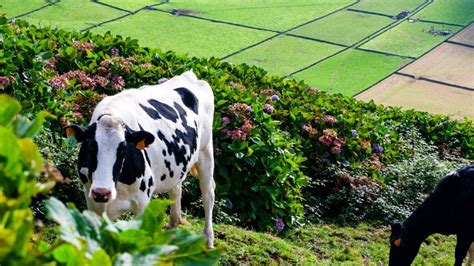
x=403, y=245
x=110, y=151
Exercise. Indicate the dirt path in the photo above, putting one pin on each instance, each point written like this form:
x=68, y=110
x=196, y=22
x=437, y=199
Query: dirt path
x=466, y=36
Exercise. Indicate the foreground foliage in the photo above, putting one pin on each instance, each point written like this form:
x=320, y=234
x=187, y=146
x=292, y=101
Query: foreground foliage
x=85, y=238
x=276, y=140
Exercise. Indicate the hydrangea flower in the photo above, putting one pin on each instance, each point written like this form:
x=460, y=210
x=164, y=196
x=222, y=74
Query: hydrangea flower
x=335, y=149
x=377, y=148
x=279, y=224
x=225, y=120
x=275, y=98
x=354, y=133
x=325, y=140
x=114, y=51
x=118, y=83
x=268, y=108
x=329, y=119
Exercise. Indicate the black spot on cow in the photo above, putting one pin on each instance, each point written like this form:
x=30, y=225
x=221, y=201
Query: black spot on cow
x=142, y=185
x=147, y=158
x=150, y=181
x=189, y=99
x=151, y=112
x=133, y=165
x=168, y=165
x=163, y=177
x=148, y=192
x=171, y=174
x=164, y=152
x=164, y=110
x=87, y=159
x=119, y=161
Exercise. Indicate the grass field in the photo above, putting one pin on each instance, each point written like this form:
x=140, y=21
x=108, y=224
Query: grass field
x=284, y=55
x=12, y=8
x=270, y=14
x=409, y=39
x=183, y=34
x=421, y=95
x=67, y=14
x=452, y=11
x=390, y=7
x=351, y=71
x=343, y=27
x=321, y=244
x=131, y=5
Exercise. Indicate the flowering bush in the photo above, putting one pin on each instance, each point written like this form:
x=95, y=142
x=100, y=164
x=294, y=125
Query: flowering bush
x=270, y=134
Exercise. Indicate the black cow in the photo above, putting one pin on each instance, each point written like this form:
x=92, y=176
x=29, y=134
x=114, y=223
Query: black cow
x=448, y=210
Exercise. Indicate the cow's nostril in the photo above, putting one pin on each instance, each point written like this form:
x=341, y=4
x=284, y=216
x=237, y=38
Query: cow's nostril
x=101, y=194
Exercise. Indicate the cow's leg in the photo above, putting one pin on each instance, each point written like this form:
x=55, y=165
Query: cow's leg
x=462, y=246
x=205, y=167
x=140, y=202
x=175, y=211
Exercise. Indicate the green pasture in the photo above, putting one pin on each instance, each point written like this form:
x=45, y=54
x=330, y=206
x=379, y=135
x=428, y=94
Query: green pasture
x=344, y=27
x=351, y=71
x=72, y=14
x=270, y=14
x=183, y=34
x=389, y=7
x=131, y=5
x=451, y=11
x=12, y=7
x=284, y=54
x=409, y=39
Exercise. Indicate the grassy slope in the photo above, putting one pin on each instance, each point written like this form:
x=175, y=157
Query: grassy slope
x=131, y=5
x=327, y=244
x=276, y=15
x=344, y=27
x=12, y=8
x=453, y=11
x=350, y=71
x=390, y=7
x=67, y=14
x=409, y=39
x=283, y=55
x=184, y=35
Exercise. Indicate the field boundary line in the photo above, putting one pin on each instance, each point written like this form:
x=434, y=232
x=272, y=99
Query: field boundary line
x=370, y=13
x=315, y=39
x=131, y=13
x=216, y=21
x=385, y=53
x=434, y=81
x=36, y=9
x=419, y=57
x=460, y=43
x=366, y=39
x=112, y=6
x=286, y=31
x=441, y=23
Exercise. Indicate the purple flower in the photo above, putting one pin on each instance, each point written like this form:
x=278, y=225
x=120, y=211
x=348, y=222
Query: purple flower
x=279, y=224
x=225, y=120
x=354, y=133
x=118, y=83
x=275, y=98
x=268, y=108
x=377, y=148
x=162, y=80
x=114, y=52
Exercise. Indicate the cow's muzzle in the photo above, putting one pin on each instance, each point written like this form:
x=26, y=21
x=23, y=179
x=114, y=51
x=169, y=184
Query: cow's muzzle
x=101, y=195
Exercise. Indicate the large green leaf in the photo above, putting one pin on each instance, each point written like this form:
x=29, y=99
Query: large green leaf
x=154, y=216
x=150, y=256
x=8, y=109
x=28, y=129
x=58, y=212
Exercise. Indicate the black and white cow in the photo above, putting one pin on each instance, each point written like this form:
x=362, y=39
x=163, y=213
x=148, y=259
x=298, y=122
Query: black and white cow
x=448, y=210
x=144, y=141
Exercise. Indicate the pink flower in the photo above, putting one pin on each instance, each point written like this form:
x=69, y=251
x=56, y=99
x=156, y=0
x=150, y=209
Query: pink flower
x=326, y=140
x=118, y=83
x=225, y=120
x=330, y=132
x=83, y=46
x=335, y=149
x=329, y=119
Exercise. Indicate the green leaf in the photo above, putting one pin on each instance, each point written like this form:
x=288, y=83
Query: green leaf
x=30, y=129
x=100, y=258
x=8, y=109
x=150, y=256
x=154, y=216
x=58, y=212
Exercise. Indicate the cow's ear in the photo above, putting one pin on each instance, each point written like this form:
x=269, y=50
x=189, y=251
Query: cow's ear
x=141, y=139
x=80, y=133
